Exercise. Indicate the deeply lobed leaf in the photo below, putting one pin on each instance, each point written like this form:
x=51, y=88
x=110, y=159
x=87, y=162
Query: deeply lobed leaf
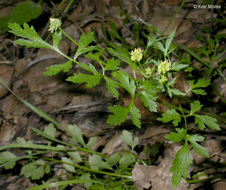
x=195, y=106
x=112, y=87
x=126, y=82
x=171, y=115
x=205, y=120
x=84, y=41
x=90, y=80
x=135, y=115
x=181, y=163
x=198, y=148
x=120, y=114
x=128, y=139
x=148, y=101
x=55, y=69
x=178, y=136
x=97, y=163
x=29, y=33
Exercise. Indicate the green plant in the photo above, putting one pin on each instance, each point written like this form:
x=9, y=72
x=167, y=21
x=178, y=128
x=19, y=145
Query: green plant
x=149, y=78
x=83, y=166
x=18, y=15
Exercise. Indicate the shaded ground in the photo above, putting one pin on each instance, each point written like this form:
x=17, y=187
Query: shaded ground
x=22, y=69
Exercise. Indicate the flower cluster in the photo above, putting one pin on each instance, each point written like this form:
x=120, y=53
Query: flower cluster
x=137, y=54
x=55, y=24
x=148, y=71
x=164, y=67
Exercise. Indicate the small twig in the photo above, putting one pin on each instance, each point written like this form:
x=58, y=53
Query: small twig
x=45, y=57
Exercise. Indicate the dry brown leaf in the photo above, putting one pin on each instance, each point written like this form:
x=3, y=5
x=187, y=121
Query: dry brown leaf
x=6, y=73
x=158, y=177
x=141, y=176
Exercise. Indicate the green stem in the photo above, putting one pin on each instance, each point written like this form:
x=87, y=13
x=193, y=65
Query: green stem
x=194, y=55
x=134, y=74
x=88, y=169
x=68, y=6
x=192, y=181
x=174, y=16
x=185, y=124
x=76, y=43
x=61, y=4
x=67, y=144
x=173, y=106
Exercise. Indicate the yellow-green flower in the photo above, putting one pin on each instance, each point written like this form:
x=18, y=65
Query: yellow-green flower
x=163, y=79
x=137, y=54
x=55, y=24
x=148, y=71
x=164, y=67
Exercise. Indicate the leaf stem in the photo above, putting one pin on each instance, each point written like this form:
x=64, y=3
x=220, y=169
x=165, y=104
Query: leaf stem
x=76, y=43
x=174, y=16
x=88, y=169
x=67, y=144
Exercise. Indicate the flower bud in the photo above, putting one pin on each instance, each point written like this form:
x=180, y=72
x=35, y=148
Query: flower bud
x=55, y=24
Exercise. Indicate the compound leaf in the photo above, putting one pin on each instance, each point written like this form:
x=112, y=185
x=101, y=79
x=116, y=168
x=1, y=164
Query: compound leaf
x=199, y=91
x=128, y=139
x=180, y=165
x=112, y=87
x=75, y=156
x=195, y=106
x=112, y=64
x=198, y=148
x=148, y=101
x=96, y=56
x=88, y=67
x=177, y=66
x=68, y=167
x=135, y=115
x=90, y=80
x=114, y=31
x=97, y=163
x=114, y=159
x=205, y=120
x=87, y=178
x=126, y=82
x=171, y=115
x=29, y=33
x=50, y=130
x=35, y=170
x=84, y=41
x=7, y=160
x=75, y=132
x=92, y=141
x=202, y=83
x=55, y=69
x=126, y=160
x=175, y=92
x=120, y=53
x=160, y=46
x=178, y=136
x=120, y=114
x=170, y=39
